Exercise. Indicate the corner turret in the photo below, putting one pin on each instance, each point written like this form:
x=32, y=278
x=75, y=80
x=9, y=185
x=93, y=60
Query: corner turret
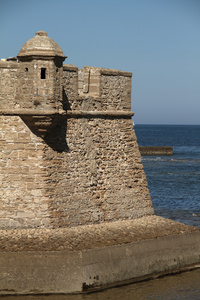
x=40, y=86
x=40, y=74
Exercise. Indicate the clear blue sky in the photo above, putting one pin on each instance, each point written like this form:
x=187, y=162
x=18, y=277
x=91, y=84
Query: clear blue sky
x=157, y=40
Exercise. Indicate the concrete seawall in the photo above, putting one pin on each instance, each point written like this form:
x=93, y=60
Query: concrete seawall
x=150, y=150
x=91, y=257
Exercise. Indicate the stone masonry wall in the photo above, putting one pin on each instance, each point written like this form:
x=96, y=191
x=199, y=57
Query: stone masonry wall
x=22, y=177
x=95, y=177
x=116, y=90
x=8, y=83
x=100, y=178
x=34, y=92
x=70, y=86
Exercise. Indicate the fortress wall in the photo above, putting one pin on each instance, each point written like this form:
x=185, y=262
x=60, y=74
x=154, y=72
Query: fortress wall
x=70, y=86
x=96, y=177
x=22, y=177
x=101, y=177
x=97, y=89
x=8, y=76
x=116, y=89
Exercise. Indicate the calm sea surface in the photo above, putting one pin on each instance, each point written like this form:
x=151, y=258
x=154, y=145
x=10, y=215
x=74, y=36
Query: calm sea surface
x=174, y=183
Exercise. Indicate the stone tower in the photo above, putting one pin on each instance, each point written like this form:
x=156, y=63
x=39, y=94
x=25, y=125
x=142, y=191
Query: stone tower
x=75, y=209
x=70, y=140
x=40, y=81
x=40, y=74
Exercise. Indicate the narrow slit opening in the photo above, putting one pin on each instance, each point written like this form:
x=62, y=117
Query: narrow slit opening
x=26, y=70
x=43, y=73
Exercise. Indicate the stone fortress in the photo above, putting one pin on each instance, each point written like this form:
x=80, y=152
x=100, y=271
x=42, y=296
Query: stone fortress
x=74, y=196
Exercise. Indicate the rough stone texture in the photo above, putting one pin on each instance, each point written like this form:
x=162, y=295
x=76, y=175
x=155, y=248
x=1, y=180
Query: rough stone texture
x=75, y=209
x=80, y=186
x=97, y=188
x=8, y=83
x=37, y=93
x=91, y=236
x=67, y=170
x=22, y=177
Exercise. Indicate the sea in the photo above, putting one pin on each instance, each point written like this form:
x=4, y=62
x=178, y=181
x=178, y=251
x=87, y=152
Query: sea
x=174, y=184
x=174, y=181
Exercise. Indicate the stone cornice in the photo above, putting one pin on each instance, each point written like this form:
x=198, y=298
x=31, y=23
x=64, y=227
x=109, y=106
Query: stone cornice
x=69, y=113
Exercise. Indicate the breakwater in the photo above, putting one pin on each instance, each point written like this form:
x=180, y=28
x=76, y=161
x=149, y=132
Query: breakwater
x=151, y=150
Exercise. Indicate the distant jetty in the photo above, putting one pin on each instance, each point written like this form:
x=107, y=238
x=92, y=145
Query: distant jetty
x=150, y=150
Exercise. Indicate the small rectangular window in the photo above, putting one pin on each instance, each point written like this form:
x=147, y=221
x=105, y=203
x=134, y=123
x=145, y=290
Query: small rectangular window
x=43, y=73
x=26, y=70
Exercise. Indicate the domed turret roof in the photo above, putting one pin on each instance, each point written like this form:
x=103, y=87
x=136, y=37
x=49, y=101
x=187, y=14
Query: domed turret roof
x=41, y=45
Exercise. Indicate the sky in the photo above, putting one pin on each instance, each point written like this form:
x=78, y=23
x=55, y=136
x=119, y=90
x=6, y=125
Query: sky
x=157, y=40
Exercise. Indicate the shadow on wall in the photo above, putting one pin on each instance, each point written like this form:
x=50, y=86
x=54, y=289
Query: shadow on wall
x=56, y=136
x=52, y=128
x=66, y=105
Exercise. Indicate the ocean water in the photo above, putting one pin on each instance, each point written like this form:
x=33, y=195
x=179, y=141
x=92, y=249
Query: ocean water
x=174, y=181
x=174, y=184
